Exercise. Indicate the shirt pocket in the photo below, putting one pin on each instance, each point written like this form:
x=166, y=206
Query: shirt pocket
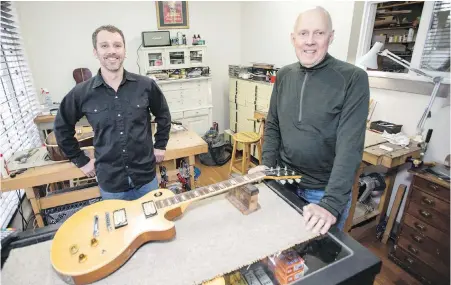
x=98, y=116
x=139, y=110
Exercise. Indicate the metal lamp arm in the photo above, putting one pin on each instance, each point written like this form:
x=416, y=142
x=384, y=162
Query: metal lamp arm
x=403, y=62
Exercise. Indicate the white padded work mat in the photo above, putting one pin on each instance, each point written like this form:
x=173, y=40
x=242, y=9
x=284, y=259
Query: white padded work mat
x=213, y=238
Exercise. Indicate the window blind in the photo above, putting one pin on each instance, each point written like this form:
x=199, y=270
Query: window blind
x=436, y=52
x=18, y=102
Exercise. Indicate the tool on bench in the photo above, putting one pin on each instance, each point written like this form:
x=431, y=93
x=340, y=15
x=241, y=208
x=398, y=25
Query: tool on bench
x=164, y=176
x=17, y=172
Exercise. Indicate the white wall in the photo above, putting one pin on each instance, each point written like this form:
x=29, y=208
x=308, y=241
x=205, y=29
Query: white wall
x=266, y=29
x=57, y=37
x=406, y=109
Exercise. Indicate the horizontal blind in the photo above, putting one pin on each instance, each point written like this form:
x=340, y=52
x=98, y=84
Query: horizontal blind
x=18, y=101
x=436, y=52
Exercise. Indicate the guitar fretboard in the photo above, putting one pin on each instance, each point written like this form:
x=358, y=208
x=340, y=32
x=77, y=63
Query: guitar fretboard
x=214, y=189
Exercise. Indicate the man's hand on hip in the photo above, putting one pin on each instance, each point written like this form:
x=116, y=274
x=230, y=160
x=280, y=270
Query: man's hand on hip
x=89, y=169
x=318, y=219
x=159, y=154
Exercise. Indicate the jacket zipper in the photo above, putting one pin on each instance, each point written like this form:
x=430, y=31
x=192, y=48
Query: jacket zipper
x=302, y=95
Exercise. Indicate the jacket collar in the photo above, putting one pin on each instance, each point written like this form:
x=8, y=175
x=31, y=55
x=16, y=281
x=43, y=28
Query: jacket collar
x=323, y=63
x=98, y=79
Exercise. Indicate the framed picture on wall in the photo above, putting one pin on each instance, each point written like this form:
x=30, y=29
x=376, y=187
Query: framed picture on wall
x=172, y=14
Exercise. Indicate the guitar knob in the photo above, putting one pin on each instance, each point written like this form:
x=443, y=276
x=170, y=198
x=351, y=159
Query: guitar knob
x=282, y=182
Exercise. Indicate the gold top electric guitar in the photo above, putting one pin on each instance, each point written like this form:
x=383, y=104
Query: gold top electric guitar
x=99, y=238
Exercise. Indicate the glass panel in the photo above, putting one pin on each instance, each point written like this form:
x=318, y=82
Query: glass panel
x=155, y=59
x=196, y=56
x=177, y=57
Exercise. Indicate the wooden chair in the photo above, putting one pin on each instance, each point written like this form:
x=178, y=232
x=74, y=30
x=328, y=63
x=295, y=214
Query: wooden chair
x=247, y=139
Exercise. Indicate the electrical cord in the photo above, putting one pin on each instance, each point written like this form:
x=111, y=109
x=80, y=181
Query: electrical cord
x=137, y=58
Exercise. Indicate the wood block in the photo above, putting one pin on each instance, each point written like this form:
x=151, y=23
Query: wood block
x=244, y=198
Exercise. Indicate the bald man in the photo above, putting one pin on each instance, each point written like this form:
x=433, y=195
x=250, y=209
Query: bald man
x=316, y=122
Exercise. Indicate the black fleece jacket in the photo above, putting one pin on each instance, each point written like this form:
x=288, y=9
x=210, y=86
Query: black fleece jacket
x=316, y=124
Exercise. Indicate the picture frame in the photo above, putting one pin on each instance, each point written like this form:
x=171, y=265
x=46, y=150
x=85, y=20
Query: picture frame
x=172, y=14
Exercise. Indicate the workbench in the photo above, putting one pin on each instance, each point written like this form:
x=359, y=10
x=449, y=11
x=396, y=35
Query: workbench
x=44, y=123
x=183, y=144
x=376, y=156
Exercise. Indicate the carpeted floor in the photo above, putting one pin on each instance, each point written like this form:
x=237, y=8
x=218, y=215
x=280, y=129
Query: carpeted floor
x=213, y=238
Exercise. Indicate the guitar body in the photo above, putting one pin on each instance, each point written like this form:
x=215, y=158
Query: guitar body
x=98, y=239
x=80, y=257
x=85, y=140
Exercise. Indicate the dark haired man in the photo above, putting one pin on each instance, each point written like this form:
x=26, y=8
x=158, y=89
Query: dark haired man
x=116, y=104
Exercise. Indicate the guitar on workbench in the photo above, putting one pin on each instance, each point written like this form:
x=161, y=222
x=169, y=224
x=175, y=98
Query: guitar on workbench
x=99, y=238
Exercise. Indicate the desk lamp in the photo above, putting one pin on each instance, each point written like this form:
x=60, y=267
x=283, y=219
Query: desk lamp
x=370, y=60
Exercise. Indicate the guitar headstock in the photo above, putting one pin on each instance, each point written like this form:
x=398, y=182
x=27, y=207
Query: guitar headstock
x=282, y=175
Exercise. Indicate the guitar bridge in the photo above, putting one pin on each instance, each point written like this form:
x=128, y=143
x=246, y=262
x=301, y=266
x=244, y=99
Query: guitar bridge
x=120, y=218
x=149, y=209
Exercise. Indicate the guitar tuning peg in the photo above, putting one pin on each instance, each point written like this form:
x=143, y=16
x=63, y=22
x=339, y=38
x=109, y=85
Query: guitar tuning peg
x=278, y=168
x=282, y=182
x=285, y=168
x=271, y=169
x=290, y=181
x=278, y=173
x=297, y=180
x=293, y=173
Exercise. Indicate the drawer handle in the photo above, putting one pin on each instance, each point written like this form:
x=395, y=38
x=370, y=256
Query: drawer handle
x=425, y=214
x=416, y=238
x=420, y=226
x=409, y=260
x=427, y=201
x=412, y=249
x=433, y=187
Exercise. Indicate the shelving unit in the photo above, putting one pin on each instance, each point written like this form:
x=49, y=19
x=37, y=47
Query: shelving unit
x=184, y=77
x=396, y=25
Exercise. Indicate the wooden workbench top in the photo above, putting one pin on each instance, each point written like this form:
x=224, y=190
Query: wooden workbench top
x=180, y=144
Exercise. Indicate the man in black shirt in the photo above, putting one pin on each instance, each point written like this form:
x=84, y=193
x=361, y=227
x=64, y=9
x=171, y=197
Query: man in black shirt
x=116, y=104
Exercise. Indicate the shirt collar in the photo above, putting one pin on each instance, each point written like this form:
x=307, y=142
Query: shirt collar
x=98, y=80
x=324, y=62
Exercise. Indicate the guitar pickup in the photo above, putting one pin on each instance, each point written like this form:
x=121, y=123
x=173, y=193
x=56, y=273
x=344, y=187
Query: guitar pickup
x=149, y=209
x=120, y=218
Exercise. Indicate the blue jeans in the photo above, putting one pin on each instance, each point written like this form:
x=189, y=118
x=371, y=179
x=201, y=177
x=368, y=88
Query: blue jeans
x=314, y=196
x=132, y=193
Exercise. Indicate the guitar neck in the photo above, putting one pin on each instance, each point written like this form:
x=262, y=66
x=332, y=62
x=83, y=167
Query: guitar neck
x=208, y=191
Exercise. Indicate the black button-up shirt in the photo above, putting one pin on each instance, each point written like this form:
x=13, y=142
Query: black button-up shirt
x=122, y=129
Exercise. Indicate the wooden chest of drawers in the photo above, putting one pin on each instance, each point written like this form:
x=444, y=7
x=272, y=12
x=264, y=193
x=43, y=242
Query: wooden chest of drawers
x=423, y=244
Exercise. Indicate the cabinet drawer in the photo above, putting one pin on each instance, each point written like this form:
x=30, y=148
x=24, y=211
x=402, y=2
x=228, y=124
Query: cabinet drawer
x=432, y=217
x=424, y=243
x=170, y=86
x=432, y=188
x=419, y=268
x=176, y=115
x=194, y=113
x=425, y=229
x=264, y=92
x=430, y=202
x=422, y=255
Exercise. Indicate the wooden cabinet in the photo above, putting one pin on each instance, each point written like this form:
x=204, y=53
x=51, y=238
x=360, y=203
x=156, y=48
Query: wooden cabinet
x=423, y=244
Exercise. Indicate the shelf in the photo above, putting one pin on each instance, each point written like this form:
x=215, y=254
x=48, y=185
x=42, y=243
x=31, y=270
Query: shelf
x=401, y=4
x=394, y=28
x=361, y=214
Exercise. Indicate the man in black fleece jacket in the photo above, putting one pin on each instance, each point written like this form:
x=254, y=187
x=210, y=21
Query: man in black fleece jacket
x=316, y=122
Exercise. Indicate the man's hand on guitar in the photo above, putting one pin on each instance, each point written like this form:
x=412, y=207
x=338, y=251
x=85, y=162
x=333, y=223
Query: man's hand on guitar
x=257, y=169
x=89, y=169
x=318, y=219
x=159, y=154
